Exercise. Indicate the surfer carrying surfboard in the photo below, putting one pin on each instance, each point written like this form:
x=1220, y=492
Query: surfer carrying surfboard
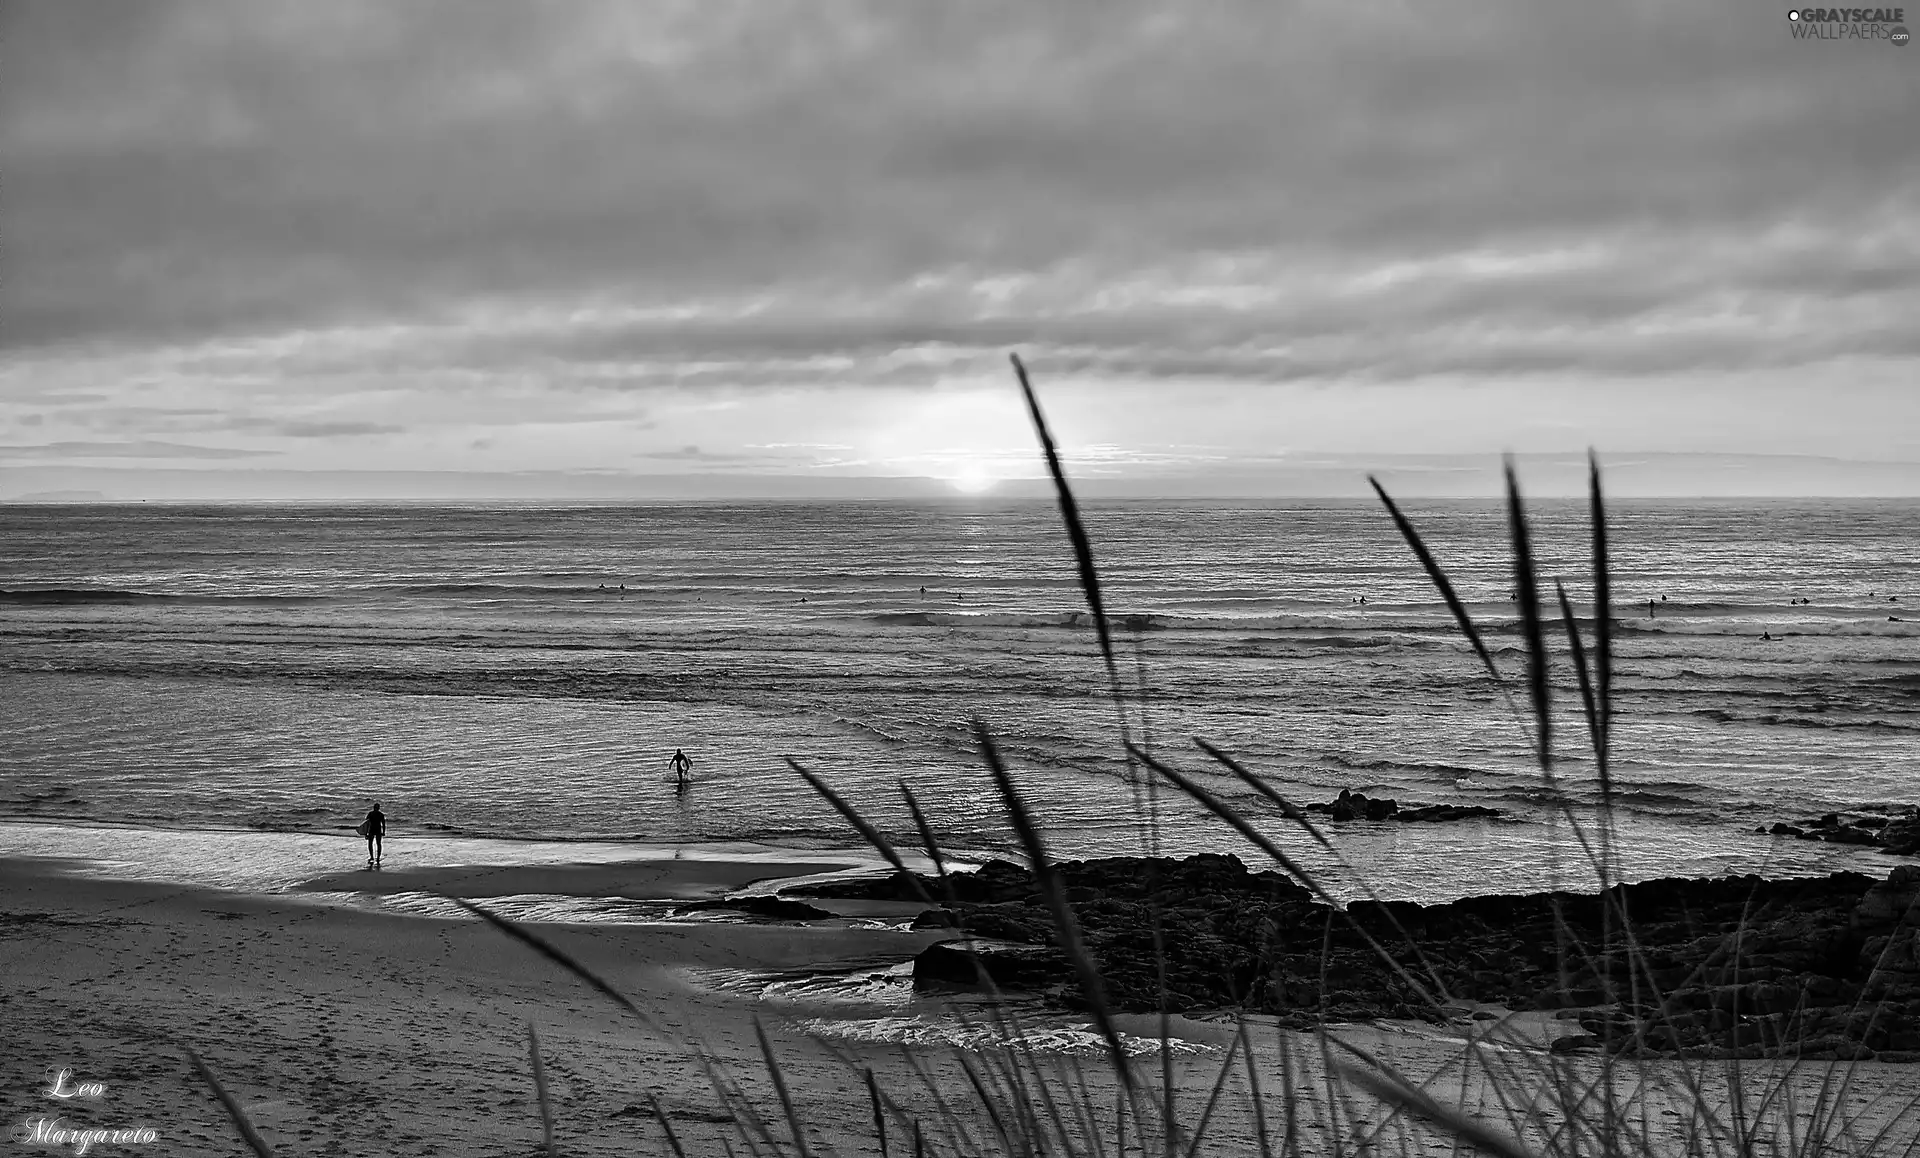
x=373, y=828
x=681, y=764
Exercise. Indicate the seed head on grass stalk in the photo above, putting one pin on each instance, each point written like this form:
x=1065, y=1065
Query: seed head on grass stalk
x=1527, y=587
x=1076, y=530
x=1089, y=576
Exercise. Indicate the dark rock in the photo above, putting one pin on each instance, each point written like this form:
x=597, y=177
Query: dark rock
x=997, y=880
x=1902, y=836
x=1000, y=964
x=1351, y=805
x=936, y=919
x=1444, y=812
x=1844, y=834
x=772, y=908
x=1894, y=828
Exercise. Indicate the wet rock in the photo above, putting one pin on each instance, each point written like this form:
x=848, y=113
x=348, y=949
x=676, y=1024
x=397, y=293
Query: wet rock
x=1435, y=813
x=1352, y=805
x=977, y=962
x=997, y=880
x=771, y=908
x=1894, y=828
x=936, y=919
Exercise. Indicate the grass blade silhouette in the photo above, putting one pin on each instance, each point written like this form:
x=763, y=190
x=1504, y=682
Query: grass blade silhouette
x=540, y=1090
x=1589, y=701
x=1602, y=611
x=666, y=1127
x=558, y=956
x=1055, y=893
x=1076, y=530
x=853, y=817
x=1287, y=808
x=1398, y=1094
x=929, y=843
x=1240, y=824
x=1199, y=1131
x=879, y=1115
x=1526, y=587
x=239, y=1116
x=780, y=1087
x=1441, y=583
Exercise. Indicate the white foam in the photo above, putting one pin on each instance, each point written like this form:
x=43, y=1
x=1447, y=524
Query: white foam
x=1077, y=1040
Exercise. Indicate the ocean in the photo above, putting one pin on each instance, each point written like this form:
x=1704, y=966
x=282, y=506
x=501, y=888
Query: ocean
x=523, y=673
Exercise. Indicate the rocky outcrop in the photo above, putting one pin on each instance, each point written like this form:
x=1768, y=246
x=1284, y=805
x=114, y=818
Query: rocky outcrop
x=1822, y=967
x=1352, y=805
x=1893, y=828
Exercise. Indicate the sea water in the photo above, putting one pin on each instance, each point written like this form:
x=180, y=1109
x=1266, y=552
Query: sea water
x=526, y=672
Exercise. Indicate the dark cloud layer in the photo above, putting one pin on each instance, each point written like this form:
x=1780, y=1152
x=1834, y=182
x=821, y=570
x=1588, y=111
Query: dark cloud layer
x=181, y=168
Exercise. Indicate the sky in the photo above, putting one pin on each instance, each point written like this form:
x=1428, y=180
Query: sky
x=259, y=249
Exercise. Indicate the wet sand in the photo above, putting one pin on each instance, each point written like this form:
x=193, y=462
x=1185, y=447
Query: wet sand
x=645, y=880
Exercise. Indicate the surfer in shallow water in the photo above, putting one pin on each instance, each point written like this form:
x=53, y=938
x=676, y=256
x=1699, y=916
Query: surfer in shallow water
x=681, y=765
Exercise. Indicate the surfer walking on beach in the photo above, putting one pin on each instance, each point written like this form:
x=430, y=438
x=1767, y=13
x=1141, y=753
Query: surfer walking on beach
x=681, y=764
x=374, y=827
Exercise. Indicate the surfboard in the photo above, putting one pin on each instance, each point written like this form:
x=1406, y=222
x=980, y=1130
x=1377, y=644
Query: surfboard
x=364, y=828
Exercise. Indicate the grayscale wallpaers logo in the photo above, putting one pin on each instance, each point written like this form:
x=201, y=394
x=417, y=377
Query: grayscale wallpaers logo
x=1849, y=24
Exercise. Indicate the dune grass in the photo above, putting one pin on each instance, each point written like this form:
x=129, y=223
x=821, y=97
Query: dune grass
x=1294, y=1094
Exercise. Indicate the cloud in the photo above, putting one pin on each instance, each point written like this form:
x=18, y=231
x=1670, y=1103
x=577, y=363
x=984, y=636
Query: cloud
x=141, y=449
x=693, y=455
x=335, y=429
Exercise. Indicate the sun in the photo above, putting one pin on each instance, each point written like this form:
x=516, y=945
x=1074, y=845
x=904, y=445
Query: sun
x=972, y=479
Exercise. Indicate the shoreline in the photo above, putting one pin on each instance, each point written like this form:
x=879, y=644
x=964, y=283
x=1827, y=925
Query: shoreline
x=276, y=861
x=254, y=862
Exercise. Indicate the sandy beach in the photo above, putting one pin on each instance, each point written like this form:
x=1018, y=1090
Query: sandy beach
x=346, y=1031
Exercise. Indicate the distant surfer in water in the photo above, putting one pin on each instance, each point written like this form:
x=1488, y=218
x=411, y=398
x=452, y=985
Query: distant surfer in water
x=1649, y=609
x=374, y=827
x=681, y=764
